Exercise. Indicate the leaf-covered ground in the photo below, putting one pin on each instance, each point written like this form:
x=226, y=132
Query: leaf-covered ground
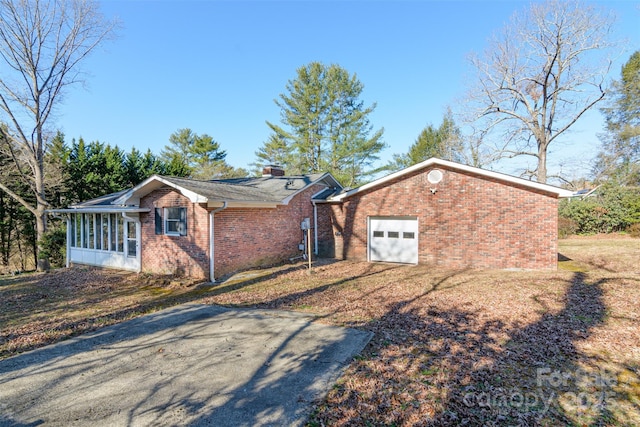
x=449, y=347
x=477, y=347
x=42, y=308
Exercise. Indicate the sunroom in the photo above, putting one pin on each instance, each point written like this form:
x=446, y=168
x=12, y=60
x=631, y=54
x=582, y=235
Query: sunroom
x=104, y=235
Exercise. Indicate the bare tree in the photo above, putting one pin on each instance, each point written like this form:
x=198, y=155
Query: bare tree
x=42, y=45
x=539, y=76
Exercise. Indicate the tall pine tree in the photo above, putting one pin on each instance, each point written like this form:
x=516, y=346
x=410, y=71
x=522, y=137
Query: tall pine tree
x=324, y=126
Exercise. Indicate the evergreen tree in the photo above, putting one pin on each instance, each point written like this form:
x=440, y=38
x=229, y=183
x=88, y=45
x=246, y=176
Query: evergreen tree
x=275, y=151
x=443, y=142
x=56, y=171
x=95, y=169
x=620, y=155
x=139, y=167
x=196, y=156
x=325, y=126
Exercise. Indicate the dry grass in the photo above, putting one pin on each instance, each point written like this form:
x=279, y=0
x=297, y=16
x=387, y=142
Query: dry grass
x=449, y=347
x=38, y=309
x=477, y=347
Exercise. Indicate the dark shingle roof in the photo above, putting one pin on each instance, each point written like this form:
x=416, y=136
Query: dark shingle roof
x=262, y=189
x=105, y=200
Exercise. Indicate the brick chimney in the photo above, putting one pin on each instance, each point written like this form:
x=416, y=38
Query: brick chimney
x=272, y=170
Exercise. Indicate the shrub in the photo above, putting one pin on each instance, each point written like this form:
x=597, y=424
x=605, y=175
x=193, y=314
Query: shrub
x=566, y=227
x=613, y=209
x=53, y=247
x=634, y=230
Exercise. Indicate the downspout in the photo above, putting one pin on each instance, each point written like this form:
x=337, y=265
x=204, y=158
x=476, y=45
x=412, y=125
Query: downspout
x=211, y=245
x=315, y=228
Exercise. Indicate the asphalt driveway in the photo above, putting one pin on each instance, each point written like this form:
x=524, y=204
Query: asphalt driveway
x=187, y=365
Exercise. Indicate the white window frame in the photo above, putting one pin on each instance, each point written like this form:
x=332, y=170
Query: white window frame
x=166, y=220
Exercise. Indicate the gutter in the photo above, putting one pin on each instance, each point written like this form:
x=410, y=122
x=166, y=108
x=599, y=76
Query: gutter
x=211, y=243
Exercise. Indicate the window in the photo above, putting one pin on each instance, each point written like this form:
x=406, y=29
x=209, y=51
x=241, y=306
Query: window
x=91, y=229
x=131, y=239
x=105, y=232
x=77, y=218
x=98, y=231
x=378, y=234
x=120, y=230
x=393, y=234
x=175, y=221
x=72, y=232
x=408, y=235
x=85, y=234
x=113, y=233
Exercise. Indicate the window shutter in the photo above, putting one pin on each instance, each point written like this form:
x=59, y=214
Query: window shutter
x=183, y=222
x=158, y=220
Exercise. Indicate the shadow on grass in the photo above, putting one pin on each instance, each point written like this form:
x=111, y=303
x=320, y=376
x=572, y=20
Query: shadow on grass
x=562, y=257
x=290, y=300
x=428, y=366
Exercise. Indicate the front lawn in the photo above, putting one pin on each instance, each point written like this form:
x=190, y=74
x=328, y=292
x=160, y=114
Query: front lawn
x=449, y=347
x=477, y=347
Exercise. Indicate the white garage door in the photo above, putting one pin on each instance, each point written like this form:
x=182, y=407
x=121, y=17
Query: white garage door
x=393, y=239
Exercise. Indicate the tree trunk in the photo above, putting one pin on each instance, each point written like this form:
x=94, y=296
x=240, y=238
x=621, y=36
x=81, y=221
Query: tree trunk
x=41, y=215
x=541, y=175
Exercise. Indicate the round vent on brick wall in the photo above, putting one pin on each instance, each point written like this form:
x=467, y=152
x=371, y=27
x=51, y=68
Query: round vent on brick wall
x=434, y=176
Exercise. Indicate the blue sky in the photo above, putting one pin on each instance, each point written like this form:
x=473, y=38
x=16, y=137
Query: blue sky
x=217, y=66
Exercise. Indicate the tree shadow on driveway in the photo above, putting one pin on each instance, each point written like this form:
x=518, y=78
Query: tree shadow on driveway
x=193, y=364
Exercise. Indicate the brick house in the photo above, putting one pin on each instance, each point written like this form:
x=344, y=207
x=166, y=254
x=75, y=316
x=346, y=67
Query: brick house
x=436, y=212
x=444, y=214
x=202, y=229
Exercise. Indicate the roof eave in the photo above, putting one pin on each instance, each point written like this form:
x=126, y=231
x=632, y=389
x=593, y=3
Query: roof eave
x=101, y=209
x=137, y=192
x=560, y=192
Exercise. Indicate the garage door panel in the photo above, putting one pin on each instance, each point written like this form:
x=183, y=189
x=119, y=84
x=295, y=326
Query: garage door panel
x=393, y=240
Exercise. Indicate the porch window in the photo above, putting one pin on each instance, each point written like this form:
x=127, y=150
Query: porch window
x=120, y=231
x=175, y=221
x=113, y=233
x=131, y=239
x=77, y=220
x=105, y=232
x=98, y=231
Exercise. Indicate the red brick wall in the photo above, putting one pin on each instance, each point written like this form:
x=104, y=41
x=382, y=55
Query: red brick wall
x=471, y=221
x=251, y=237
x=244, y=237
x=183, y=255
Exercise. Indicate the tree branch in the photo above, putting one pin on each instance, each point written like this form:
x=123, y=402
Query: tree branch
x=19, y=199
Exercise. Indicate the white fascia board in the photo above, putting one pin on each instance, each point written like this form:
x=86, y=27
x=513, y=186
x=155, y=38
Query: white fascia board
x=101, y=209
x=150, y=184
x=561, y=192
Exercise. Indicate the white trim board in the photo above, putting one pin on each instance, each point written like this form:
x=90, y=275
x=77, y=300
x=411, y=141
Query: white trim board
x=560, y=192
